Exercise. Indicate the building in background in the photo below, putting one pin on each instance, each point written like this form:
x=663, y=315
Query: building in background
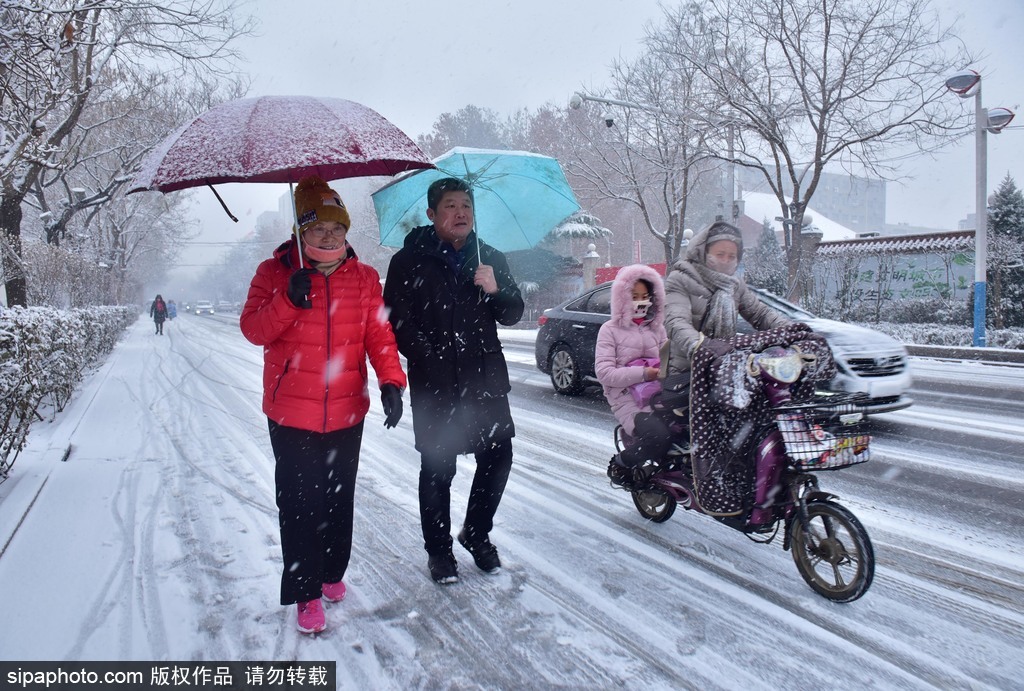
x=854, y=202
x=757, y=207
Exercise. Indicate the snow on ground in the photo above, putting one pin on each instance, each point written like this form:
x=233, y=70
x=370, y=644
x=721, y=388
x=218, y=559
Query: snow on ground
x=157, y=540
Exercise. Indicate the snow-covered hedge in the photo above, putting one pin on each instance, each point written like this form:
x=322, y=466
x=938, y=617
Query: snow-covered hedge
x=953, y=336
x=43, y=354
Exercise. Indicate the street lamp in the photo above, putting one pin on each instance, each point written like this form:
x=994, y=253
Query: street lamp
x=966, y=84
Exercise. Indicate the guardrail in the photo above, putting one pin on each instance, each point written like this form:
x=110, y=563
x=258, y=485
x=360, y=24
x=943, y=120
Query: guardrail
x=997, y=355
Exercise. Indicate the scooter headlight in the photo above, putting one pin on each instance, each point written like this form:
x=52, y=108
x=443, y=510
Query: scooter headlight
x=784, y=365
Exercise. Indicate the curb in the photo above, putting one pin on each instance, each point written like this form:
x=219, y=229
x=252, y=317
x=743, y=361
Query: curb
x=995, y=355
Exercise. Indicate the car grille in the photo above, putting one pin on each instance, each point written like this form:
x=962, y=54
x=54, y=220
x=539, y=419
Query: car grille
x=880, y=366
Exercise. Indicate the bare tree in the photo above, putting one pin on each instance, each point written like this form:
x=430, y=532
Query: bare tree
x=469, y=126
x=125, y=120
x=137, y=237
x=651, y=157
x=816, y=83
x=81, y=200
x=62, y=278
x=54, y=58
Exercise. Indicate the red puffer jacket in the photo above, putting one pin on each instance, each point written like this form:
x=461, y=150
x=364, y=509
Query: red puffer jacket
x=314, y=361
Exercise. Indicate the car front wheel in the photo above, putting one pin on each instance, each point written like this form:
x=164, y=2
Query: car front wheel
x=565, y=372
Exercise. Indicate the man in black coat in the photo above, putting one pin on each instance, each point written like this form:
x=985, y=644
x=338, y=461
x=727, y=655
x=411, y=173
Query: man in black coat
x=447, y=293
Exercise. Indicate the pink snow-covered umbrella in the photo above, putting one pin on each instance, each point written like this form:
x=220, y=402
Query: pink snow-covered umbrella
x=279, y=139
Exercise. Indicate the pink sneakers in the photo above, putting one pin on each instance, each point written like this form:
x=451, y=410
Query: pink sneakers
x=311, y=614
x=334, y=592
x=311, y=617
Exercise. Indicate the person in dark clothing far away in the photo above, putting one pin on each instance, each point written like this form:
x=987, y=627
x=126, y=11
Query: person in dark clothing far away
x=158, y=310
x=317, y=327
x=447, y=293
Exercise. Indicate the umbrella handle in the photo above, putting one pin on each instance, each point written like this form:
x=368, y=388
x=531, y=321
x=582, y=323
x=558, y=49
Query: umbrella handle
x=479, y=261
x=306, y=303
x=298, y=237
x=223, y=205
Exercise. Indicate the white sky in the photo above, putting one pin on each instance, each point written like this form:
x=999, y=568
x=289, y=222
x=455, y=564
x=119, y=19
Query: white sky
x=413, y=61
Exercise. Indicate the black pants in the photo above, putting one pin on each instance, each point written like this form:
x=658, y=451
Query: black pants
x=436, y=475
x=159, y=326
x=651, y=438
x=315, y=476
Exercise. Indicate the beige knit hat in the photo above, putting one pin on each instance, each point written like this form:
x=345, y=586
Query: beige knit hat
x=315, y=201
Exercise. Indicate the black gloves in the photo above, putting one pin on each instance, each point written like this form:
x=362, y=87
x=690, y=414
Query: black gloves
x=716, y=346
x=299, y=285
x=391, y=399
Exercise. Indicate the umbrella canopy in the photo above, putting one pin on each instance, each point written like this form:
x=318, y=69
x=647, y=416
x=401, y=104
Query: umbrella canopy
x=279, y=139
x=518, y=197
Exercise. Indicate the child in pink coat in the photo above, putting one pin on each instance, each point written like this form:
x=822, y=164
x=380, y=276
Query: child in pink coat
x=636, y=331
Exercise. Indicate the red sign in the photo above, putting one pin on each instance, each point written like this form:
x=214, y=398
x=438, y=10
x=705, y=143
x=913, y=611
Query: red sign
x=608, y=273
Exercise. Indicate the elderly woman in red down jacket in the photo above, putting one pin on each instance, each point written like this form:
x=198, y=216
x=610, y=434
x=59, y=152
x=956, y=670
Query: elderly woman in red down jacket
x=626, y=356
x=318, y=325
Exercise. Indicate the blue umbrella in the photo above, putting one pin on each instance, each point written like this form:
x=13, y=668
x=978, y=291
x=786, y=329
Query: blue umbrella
x=518, y=197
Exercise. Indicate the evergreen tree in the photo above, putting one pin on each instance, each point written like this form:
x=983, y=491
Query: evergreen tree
x=765, y=264
x=1006, y=255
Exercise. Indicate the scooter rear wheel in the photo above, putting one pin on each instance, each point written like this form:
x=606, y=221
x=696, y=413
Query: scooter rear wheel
x=836, y=558
x=654, y=504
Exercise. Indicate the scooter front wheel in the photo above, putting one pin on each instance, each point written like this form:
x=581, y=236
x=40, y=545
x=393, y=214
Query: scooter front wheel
x=654, y=504
x=835, y=555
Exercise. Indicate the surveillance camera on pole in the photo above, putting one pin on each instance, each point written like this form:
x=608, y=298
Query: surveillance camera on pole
x=609, y=120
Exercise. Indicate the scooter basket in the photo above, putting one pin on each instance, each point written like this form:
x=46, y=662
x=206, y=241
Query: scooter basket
x=824, y=438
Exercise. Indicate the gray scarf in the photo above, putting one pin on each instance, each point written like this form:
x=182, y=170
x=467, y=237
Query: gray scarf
x=720, y=318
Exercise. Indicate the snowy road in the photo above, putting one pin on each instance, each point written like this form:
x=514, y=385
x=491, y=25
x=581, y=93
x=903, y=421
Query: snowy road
x=157, y=540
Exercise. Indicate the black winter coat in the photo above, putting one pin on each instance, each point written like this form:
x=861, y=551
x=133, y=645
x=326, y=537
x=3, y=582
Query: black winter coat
x=446, y=327
x=158, y=310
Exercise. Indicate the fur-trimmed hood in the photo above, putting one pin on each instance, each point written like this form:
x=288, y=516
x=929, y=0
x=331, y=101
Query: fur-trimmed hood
x=696, y=251
x=622, y=295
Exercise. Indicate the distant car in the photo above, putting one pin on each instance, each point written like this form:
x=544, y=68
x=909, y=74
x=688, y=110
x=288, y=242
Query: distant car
x=204, y=307
x=867, y=361
x=225, y=306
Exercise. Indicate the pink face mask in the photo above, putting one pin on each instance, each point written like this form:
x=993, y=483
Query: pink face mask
x=323, y=256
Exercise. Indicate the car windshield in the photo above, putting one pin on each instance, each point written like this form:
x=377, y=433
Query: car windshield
x=788, y=308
